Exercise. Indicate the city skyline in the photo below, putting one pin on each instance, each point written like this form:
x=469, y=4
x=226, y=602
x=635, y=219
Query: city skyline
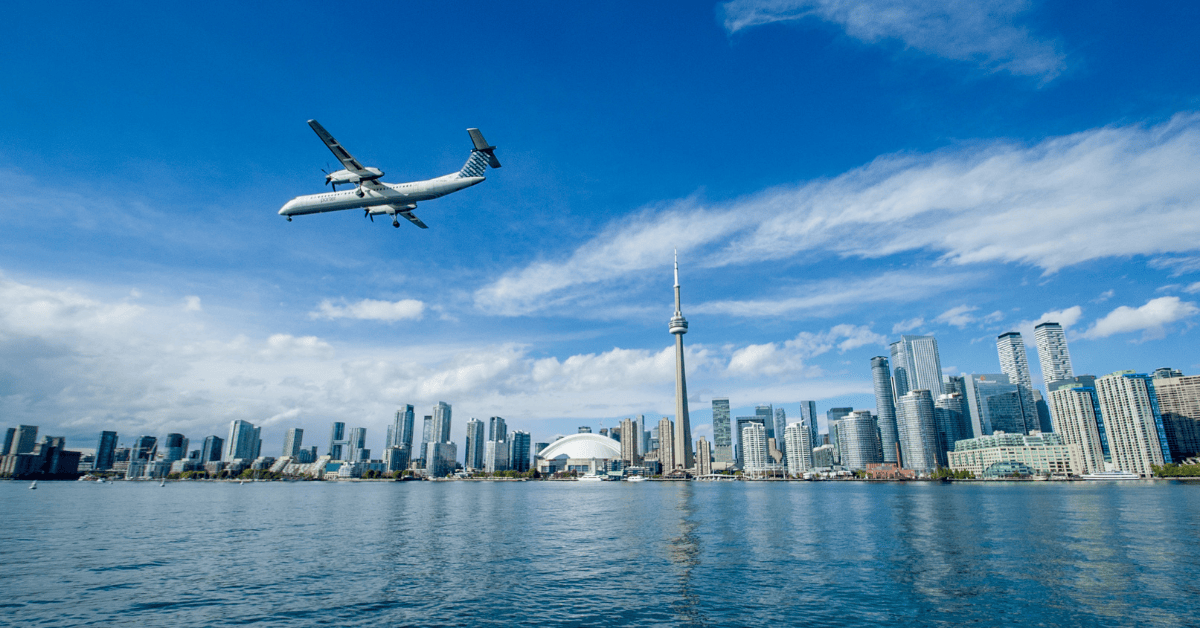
x=830, y=192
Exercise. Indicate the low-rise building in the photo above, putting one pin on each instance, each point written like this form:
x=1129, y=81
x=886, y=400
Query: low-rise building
x=1045, y=454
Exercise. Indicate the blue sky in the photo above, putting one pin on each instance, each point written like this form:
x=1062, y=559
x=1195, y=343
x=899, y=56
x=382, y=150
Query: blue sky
x=832, y=173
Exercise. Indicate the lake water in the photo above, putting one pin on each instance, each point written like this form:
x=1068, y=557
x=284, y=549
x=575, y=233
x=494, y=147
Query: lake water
x=600, y=554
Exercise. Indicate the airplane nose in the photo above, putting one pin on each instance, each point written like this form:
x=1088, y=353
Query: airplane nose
x=286, y=206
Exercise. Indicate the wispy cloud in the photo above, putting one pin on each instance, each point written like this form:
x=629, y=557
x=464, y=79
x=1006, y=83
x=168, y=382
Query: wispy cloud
x=1177, y=265
x=826, y=297
x=984, y=32
x=907, y=325
x=959, y=316
x=789, y=357
x=1151, y=319
x=1110, y=189
x=370, y=310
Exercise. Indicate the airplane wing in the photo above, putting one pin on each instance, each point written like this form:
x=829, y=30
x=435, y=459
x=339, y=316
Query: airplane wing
x=407, y=213
x=348, y=160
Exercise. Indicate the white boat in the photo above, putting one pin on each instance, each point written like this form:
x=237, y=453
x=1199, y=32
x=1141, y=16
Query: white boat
x=635, y=478
x=33, y=487
x=164, y=483
x=1111, y=475
x=589, y=478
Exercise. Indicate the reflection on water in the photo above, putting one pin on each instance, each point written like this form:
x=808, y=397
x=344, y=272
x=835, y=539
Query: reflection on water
x=572, y=554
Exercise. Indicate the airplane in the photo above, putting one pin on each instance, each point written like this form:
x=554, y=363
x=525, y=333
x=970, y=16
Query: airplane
x=393, y=199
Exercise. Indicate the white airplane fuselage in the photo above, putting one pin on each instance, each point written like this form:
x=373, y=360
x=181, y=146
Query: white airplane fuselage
x=381, y=197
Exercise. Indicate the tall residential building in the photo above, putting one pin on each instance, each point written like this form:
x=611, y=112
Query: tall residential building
x=441, y=422
x=753, y=440
x=994, y=404
x=952, y=426
x=473, y=458
x=242, y=443
x=495, y=456
x=1015, y=364
x=1045, y=423
x=722, y=436
x=858, y=440
x=704, y=458
x=885, y=407
x=919, y=441
x=497, y=429
x=808, y=418
x=1165, y=372
x=356, y=447
x=666, y=449
x=1136, y=437
x=213, y=449
x=767, y=413
x=740, y=424
x=1179, y=403
x=144, y=448
x=402, y=427
x=337, y=438
x=643, y=436
x=629, y=449
x=799, y=454
x=426, y=434
x=1079, y=422
x=24, y=440
x=106, y=451
x=176, y=447
x=518, y=450
x=293, y=442
x=916, y=365
x=1051, y=345
x=9, y=435
x=780, y=431
x=682, y=448
x=832, y=417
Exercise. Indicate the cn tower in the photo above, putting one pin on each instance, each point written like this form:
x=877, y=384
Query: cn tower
x=683, y=424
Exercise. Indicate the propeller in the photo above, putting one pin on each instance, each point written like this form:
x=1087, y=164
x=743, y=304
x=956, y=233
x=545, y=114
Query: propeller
x=328, y=180
x=368, y=210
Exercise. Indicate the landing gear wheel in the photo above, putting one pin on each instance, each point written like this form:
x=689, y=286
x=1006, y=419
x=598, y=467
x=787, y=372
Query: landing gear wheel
x=359, y=192
x=396, y=224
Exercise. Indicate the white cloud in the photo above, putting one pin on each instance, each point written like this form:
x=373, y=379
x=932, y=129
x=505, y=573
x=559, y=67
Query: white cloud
x=959, y=316
x=1151, y=318
x=1065, y=317
x=1112, y=188
x=1177, y=265
x=1193, y=288
x=983, y=32
x=907, y=325
x=371, y=310
x=774, y=359
x=1104, y=296
x=191, y=304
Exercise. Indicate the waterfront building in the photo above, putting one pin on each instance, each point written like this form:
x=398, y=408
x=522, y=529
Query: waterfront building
x=23, y=440
x=799, y=449
x=9, y=435
x=176, y=447
x=666, y=448
x=1045, y=423
x=885, y=408
x=741, y=423
x=1166, y=372
x=143, y=448
x=537, y=450
x=629, y=450
x=1015, y=364
x=767, y=413
x=832, y=417
x=497, y=429
x=655, y=443
x=858, y=440
x=808, y=418
x=643, y=436
x=916, y=365
x=681, y=456
x=213, y=449
x=426, y=434
x=703, y=457
x=402, y=428
x=753, y=440
x=1132, y=421
x=1179, y=403
x=822, y=457
x=994, y=404
x=722, y=433
x=337, y=439
x=441, y=422
x=518, y=450
x=583, y=453
x=999, y=453
x=1078, y=420
x=473, y=457
x=440, y=459
x=951, y=424
x=293, y=442
x=356, y=450
x=780, y=433
x=396, y=458
x=106, y=451
x=1053, y=356
x=918, y=441
x=495, y=456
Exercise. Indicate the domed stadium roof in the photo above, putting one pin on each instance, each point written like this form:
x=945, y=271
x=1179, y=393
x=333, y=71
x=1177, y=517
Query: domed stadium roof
x=583, y=446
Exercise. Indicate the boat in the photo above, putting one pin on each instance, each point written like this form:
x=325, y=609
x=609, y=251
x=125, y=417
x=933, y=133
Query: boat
x=1111, y=475
x=164, y=483
x=589, y=478
x=33, y=487
x=635, y=478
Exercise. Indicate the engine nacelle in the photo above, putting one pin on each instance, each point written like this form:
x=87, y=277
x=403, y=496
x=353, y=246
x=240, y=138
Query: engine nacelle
x=353, y=177
x=391, y=209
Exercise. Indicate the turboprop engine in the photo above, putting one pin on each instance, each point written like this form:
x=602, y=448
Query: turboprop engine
x=352, y=177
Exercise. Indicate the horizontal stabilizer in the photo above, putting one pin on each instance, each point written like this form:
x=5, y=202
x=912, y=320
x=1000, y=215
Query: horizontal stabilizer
x=482, y=146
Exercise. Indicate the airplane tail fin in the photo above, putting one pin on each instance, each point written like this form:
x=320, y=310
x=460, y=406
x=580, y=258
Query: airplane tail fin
x=482, y=156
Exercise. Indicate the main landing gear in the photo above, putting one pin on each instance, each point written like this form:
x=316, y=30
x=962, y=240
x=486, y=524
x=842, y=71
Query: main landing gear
x=395, y=223
x=289, y=218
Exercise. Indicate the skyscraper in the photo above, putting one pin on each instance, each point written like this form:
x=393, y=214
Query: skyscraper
x=293, y=442
x=885, y=407
x=799, y=454
x=682, y=454
x=666, y=450
x=808, y=418
x=767, y=413
x=1052, y=352
x=753, y=440
x=643, y=436
x=212, y=450
x=1179, y=403
x=916, y=365
x=441, y=422
x=781, y=432
x=24, y=440
x=740, y=425
x=1015, y=364
x=426, y=435
x=832, y=417
x=176, y=447
x=495, y=456
x=1078, y=420
x=106, y=450
x=402, y=428
x=357, y=446
x=519, y=442
x=9, y=435
x=337, y=436
x=440, y=454
x=703, y=457
x=629, y=446
x=143, y=448
x=242, y=442
x=919, y=441
x=994, y=404
x=473, y=458
x=1136, y=436
x=497, y=430
x=951, y=423
x=858, y=440
x=722, y=438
